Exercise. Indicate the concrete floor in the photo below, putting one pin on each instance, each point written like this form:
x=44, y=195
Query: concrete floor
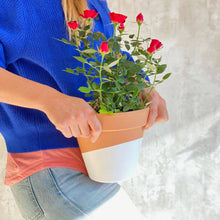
x=178, y=174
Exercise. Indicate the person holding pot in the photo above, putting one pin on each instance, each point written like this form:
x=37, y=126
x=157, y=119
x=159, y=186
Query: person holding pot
x=42, y=113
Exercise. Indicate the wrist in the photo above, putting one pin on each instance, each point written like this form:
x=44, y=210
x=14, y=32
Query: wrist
x=47, y=97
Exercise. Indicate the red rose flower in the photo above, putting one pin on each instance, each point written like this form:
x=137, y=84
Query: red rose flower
x=117, y=18
x=89, y=14
x=104, y=47
x=121, y=27
x=140, y=19
x=73, y=25
x=154, y=45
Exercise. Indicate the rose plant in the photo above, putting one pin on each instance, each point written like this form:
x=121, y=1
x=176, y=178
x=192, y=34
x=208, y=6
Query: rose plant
x=115, y=78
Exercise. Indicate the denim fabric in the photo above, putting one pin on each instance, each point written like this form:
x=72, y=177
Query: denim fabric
x=60, y=193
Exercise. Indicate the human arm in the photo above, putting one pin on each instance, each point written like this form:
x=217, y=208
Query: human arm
x=71, y=115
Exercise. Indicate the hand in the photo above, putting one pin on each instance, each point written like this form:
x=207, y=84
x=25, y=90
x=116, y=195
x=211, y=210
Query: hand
x=72, y=116
x=158, y=110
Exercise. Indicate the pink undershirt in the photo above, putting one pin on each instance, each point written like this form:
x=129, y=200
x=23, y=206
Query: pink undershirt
x=22, y=165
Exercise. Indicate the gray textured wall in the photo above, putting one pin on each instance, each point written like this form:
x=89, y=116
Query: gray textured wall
x=178, y=175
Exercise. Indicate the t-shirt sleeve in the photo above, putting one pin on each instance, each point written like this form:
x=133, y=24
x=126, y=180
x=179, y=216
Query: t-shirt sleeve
x=2, y=57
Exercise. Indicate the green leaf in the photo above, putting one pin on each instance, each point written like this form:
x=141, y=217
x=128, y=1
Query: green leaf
x=111, y=39
x=141, y=58
x=68, y=70
x=131, y=36
x=121, y=79
x=65, y=41
x=118, y=85
x=113, y=63
x=105, y=112
x=143, y=52
x=86, y=27
x=82, y=33
x=130, y=87
x=92, y=63
x=89, y=51
x=84, y=89
x=109, y=101
x=135, y=52
x=95, y=85
x=78, y=69
x=116, y=47
x=117, y=110
x=81, y=59
x=96, y=36
x=135, y=92
x=86, y=41
x=106, y=68
x=118, y=38
x=134, y=43
x=126, y=108
x=131, y=79
x=103, y=37
x=127, y=46
x=87, y=95
x=147, y=39
x=151, y=67
x=141, y=85
x=161, y=68
x=103, y=107
x=166, y=76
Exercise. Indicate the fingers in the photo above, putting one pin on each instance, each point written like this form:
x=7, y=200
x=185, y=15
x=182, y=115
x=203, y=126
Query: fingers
x=73, y=116
x=83, y=126
x=66, y=131
x=158, y=112
x=162, y=113
x=152, y=116
x=95, y=126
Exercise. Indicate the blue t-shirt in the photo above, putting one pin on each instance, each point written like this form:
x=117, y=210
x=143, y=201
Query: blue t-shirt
x=28, y=49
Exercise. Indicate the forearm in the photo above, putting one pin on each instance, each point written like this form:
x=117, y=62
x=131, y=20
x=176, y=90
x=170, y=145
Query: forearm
x=19, y=91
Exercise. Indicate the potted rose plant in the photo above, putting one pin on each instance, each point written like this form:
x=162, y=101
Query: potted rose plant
x=115, y=83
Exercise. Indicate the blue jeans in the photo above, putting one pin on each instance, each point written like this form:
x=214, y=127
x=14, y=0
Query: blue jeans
x=60, y=194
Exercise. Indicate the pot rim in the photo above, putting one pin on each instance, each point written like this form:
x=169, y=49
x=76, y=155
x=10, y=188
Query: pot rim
x=123, y=120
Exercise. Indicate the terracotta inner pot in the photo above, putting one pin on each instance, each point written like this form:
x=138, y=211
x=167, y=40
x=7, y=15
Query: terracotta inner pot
x=116, y=129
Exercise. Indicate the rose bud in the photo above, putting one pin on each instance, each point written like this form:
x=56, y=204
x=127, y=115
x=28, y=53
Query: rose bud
x=73, y=25
x=117, y=18
x=104, y=47
x=121, y=27
x=89, y=14
x=140, y=19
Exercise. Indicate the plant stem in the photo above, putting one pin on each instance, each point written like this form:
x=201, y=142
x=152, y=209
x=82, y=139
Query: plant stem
x=152, y=87
x=138, y=35
x=77, y=45
x=139, y=28
x=100, y=76
x=76, y=39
